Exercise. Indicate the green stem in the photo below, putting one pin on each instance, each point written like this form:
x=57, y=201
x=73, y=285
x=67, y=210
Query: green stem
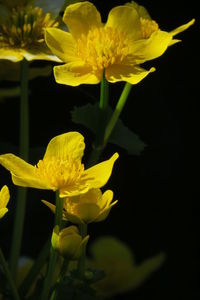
x=53, y=252
x=120, y=105
x=34, y=271
x=23, y=150
x=81, y=262
x=103, y=103
x=10, y=281
x=61, y=276
x=104, y=93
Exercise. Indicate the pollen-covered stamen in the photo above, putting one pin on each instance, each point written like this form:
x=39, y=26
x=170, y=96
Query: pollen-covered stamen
x=25, y=27
x=148, y=27
x=102, y=47
x=59, y=174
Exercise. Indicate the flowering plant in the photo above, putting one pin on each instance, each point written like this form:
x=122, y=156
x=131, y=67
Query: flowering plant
x=88, y=51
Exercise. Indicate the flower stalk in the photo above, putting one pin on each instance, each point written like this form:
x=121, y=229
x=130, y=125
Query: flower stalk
x=10, y=281
x=23, y=150
x=103, y=103
x=61, y=276
x=53, y=252
x=104, y=94
x=118, y=109
x=105, y=132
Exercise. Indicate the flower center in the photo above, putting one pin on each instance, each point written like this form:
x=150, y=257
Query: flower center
x=25, y=27
x=148, y=27
x=59, y=174
x=102, y=47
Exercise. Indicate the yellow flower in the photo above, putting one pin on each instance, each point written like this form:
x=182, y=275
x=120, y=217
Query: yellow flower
x=92, y=206
x=117, y=48
x=122, y=274
x=4, y=198
x=61, y=168
x=22, y=32
x=68, y=242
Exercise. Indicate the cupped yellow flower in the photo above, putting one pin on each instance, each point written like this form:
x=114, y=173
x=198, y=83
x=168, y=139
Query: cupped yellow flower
x=22, y=32
x=92, y=206
x=4, y=198
x=68, y=242
x=116, y=48
x=61, y=168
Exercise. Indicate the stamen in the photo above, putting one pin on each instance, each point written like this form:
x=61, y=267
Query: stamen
x=102, y=47
x=25, y=27
x=59, y=173
x=148, y=27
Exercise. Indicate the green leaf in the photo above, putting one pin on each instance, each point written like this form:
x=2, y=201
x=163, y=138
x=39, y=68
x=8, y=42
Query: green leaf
x=127, y=139
x=87, y=115
x=90, y=115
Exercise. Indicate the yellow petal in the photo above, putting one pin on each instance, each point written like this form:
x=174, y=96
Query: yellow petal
x=182, y=28
x=140, y=9
x=74, y=190
x=23, y=174
x=61, y=43
x=92, y=196
x=76, y=73
x=106, y=199
x=73, y=218
x=40, y=56
x=4, y=196
x=87, y=212
x=104, y=214
x=153, y=47
x=131, y=74
x=98, y=175
x=3, y=211
x=66, y=145
x=50, y=205
x=81, y=17
x=11, y=54
x=39, y=53
x=125, y=19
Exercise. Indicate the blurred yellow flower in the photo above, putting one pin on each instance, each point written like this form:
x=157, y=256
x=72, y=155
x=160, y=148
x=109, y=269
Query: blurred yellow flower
x=4, y=198
x=68, y=242
x=61, y=168
x=22, y=28
x=117, y=48
x=122, y=274
x=92, y=206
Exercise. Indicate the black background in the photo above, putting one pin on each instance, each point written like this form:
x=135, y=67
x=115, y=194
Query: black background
x=158, y=206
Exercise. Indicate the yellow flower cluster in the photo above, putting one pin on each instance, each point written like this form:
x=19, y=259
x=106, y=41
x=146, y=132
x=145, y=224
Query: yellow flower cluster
x=90, y=48
x=61, y=169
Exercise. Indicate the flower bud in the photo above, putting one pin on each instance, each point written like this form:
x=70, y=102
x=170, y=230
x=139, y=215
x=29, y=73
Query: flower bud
x=68, y=242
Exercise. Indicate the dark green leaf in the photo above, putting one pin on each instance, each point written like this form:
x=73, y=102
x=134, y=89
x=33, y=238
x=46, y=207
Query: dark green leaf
x=92, y=117
x=127, y=139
